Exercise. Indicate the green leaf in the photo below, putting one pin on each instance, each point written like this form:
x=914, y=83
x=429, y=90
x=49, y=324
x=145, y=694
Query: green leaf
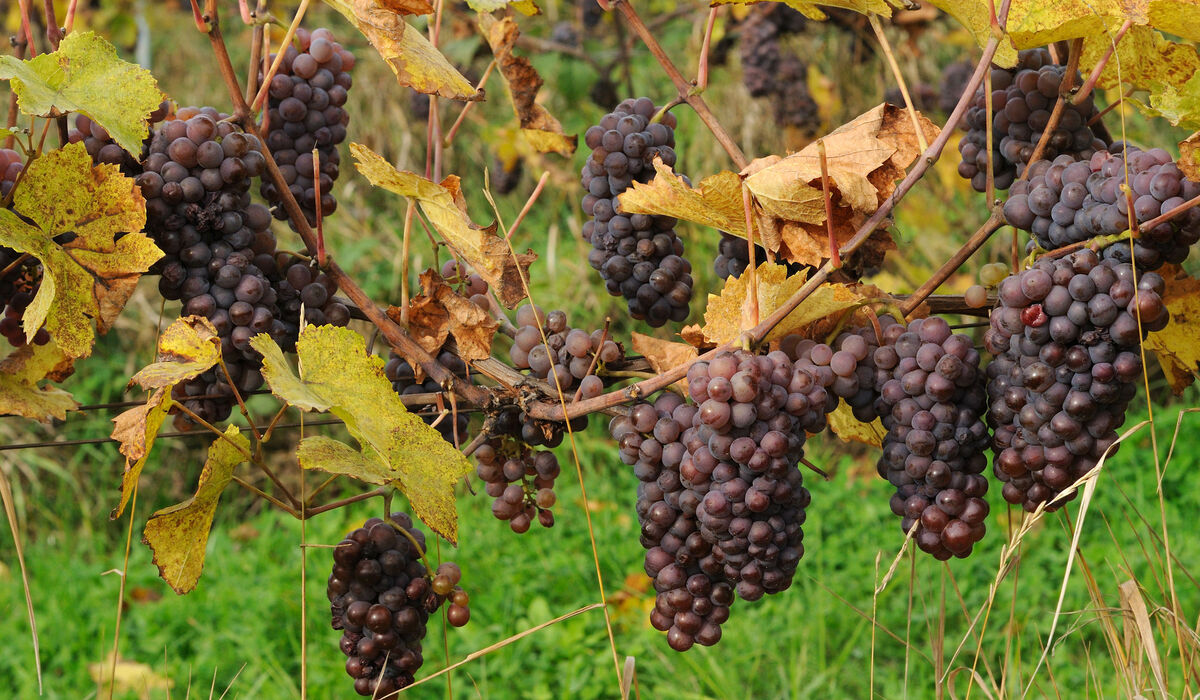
x=186, y=349
x=85, y=75
x=397, y=447
x=178, y=535
x=136, y=430
x=91, y=275
x=20, y=393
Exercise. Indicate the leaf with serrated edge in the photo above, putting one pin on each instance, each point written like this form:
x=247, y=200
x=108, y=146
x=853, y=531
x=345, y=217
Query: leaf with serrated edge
x=727, y=314
x=136, y=430
x=178, y=535
x=525, y=7
x=664, y=355
x=339, y=376
x=542, y=130
x=843, y=423
x=336, y=457
x=186, y=349
x=20, y=394
x=1189, y=156
x=1175, y=346
x=810, y=9
x=79, y=77
x=417, y=63
x=91, y=276
x=715, y=202
x=487, y=253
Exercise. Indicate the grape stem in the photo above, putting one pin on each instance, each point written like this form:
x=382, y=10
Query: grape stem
x=53, y=31
x=702, y=63
x=943, y=273
x=1090, y=83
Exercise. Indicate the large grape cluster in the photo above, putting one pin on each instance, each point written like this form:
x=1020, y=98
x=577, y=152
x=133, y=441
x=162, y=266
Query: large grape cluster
x=1022, y=99
x=380, y=597
x=721, y=502
x=306, y=112
x=520, y=480
x=1066, y=201
x=400, y=373
x=571, y=354
x=1066, y=340
x=639, y=256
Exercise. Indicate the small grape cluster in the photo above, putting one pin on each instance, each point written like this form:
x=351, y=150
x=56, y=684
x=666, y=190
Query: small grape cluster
x=571, y=354
x=520, y=480
x=103, y=148
x=17, y=289
x=733, y=257
x=380, y=597
x=1066, y=340
x=467, y=283
x=399, y=372
x=11, y=165
x=1022, y=99
x=1066, y=201
x=301, y=287
x=639, y=256
x=768, y=70
x=307, y=112
x=955, y=77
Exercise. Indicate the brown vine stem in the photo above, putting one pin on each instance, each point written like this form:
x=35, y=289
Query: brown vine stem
x=283, y=44
x=702, y=67
x=752, y=264
x=53, y=31
x=943, y=273
x=895, y=68
x=1090, y=83
x=27, y=28
x=1068, y=84
x=10, y=140
x=340, y=503
x=533, y=196
x=487, y=73
x=1162, y=218
x=686, y=89
x=257, y=43
x=70, y=23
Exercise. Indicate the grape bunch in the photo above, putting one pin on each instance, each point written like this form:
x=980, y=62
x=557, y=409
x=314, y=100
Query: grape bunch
x=219, y=250
x=104, y=149
x=520, y=480
x=1066, y=340
x=733, y=257
x=11, y=165
x=955, y=77
x=380, y=597
x=1022, y=99
x=466, y=283
x=1067, y=201
x=639, y=256
x=300, y=285
x=768, y=70
x=399, y=372
x=571, y=354
x=17, y=289
x=306, y=112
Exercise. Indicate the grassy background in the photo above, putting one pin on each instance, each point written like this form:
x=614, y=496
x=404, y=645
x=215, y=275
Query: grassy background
x=241, y=628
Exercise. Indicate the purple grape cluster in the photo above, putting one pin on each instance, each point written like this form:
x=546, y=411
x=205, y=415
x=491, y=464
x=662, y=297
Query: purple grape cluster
x=640, y=257
x=1066, y=340
x=11, y=165
x=21, y=278
x=1022, y=99
x=954, y=82
x=571, y=354
x=733, y=257
x=302, y=287
x=769, y=70
x=400, y=373
x=721, y=503
x=103, y=149
x=520, y=479
x=1066, y=201
x=307, y=112
x=381, y=596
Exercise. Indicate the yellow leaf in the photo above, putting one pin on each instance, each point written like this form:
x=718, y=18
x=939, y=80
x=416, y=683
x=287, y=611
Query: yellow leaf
x=716, y=202
x=20, y=393
x=1189, y=156
x=340, y=377
x=79, y=77
x=664, y=355
x=1175, y=346
x=92, y=273
x=843, y=423
x=482, y=249
x=525, y=7
x=186, y=349
x=128, y=677
x=810, y=9
x=728, y=314
x=136, y=430
x=178, y=535
x=543, y=131
x=416, y=62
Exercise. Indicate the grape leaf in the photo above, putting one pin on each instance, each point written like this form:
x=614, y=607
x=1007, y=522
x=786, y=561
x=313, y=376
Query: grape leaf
x=488, y=254
x=439, y=312
x=407, y=7
x=1189, y=156
x=416, y=62
x=526, y=7
x=539, y=127
x=80, y=77
x=136, y=430
x=864, y=158
x=1179, y=105
x=1175, y=346
x=340, y=377
x=178, y=536
x=20, y=373
x=186, y=349
x=715, y=202
x=810, y=9
x=843, y=423
x=664, y=355
x=90, y=274
x=728, y=315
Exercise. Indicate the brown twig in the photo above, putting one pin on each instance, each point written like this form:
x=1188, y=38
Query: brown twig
x=487, y=72
x=835, y=258
x=702, y=67
x=70, y=23
x=316, y=159
x=54, y=33
x=257, y=42
x=943, y=273
x=528, y=205
x=287, y=39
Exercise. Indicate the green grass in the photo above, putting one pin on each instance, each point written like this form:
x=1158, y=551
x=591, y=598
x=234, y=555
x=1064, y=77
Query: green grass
x=814, y=640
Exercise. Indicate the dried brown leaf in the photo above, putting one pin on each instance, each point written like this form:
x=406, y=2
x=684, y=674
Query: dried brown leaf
x=715, y=202
x=439, y=312
x=664, y=355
